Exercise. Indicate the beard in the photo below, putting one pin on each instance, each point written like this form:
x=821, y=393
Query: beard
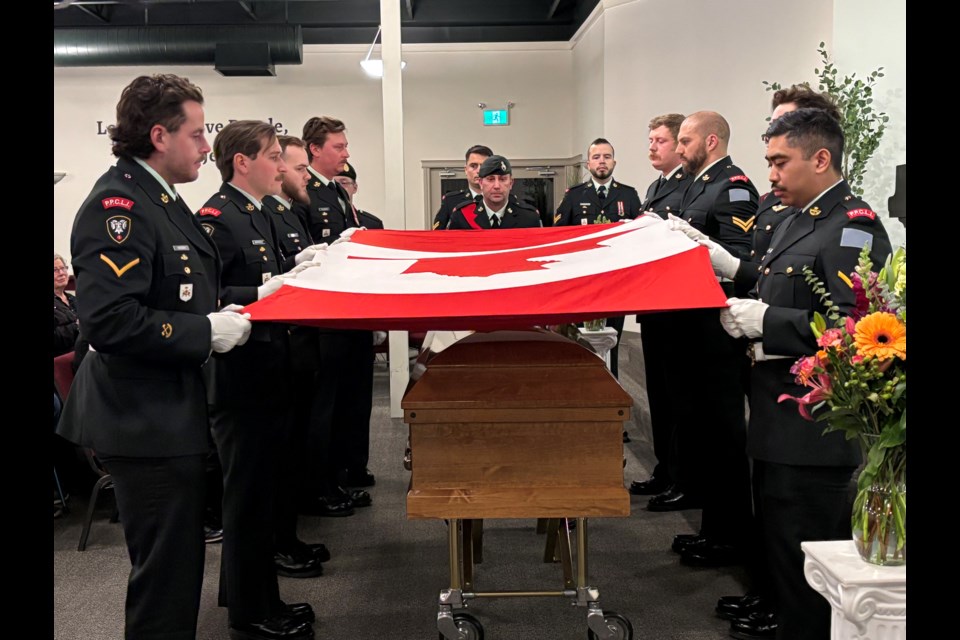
x=295, y=194
x=601, y=173
x=695, y=162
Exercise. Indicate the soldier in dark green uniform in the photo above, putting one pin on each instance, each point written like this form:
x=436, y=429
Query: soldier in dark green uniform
x=801, y=477
x=249, y=388
x=496, y=207
x=472, y=160
x=148, y=285
x=601, y=198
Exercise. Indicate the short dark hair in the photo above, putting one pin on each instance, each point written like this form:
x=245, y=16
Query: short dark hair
x=316, y=130
x=145, y=102
x=601, y=141
x=805, y=98
x=671, y=121
x=242, y=136
x=811, y=130
x=290, y=141
x=478, y=149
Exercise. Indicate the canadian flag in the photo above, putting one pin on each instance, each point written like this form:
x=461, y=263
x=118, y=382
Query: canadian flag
x=508, y=278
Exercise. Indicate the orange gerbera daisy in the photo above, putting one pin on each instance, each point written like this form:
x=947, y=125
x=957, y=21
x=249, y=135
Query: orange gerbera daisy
x=882, y=336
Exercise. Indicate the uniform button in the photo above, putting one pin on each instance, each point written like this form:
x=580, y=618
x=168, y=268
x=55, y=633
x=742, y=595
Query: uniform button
x=264, y=258
x=186, y=269
x=759, y=268
x=768, y=227
x=770, y=250
x=766, y=271
x=789, y=269
x=753, y=252
x=263, y=249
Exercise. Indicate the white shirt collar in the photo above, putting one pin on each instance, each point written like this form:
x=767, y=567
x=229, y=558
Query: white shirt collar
x=499, y=214
x=319, y=176
x=822, y=193
x=255, y=202
x=674, y=172
x=708, y=167
x=606, y=185
x=153, y=172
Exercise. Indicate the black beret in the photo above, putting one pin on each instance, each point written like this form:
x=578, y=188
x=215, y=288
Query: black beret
x=495, y=165
x=348, y=171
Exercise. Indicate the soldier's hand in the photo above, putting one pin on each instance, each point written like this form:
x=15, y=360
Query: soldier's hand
x=270, y=286
x=309, y=253
x=723, y=262
x=743, y=317
x=675, y=223
x=345, y=236
x=228, y=329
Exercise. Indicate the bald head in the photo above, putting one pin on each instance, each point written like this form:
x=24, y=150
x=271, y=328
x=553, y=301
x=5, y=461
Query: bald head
x=702, y=140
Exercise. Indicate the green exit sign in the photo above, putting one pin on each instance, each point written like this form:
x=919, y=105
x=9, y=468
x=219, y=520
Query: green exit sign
x=495, y=117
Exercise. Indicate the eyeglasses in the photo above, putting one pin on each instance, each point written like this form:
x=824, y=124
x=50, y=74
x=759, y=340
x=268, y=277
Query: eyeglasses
x=347, y=182
x=65, y=269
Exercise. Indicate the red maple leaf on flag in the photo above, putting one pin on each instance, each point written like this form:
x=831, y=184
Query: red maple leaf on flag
x=490, y=264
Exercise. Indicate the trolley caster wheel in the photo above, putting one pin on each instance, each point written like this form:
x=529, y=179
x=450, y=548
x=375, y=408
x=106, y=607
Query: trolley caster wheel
x=469, y=626
x=619, y=626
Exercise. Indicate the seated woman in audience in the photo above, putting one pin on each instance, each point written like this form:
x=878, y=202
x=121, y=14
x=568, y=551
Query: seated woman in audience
x=65, y=326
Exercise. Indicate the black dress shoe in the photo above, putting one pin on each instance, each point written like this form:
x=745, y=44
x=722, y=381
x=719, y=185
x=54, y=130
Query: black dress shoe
x=759, y=626
x=673, y=500
x=273, y=628
x=734, y=607
x=362, y=478
x=299, y=612
x=360, y=498
x=649, y=487
x=328, y=507
x=295, y=565
x=317, y=550
x=685, y=541
x=711, y=554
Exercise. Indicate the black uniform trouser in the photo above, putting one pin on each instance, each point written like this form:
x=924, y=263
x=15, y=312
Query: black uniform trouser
x=655, y=341
x=161, y=503
x=290, y=461
x=248, y=440
x=798, y=504
x=339, y=436
x=709, y=404
x=617, y=323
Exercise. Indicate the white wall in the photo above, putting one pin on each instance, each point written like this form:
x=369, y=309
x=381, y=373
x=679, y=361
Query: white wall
x=870, y=34
x=688, y=55
x=588, y=79
x=442, y=86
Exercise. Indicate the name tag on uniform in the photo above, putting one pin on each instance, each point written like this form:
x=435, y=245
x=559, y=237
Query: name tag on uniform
x=186, y=290
x=326, y=233
x=293, y=235
x=181, y=247
x=267, y=276
x=584, y=204
x=258, y=242
x=323, y=209
x=583, y=221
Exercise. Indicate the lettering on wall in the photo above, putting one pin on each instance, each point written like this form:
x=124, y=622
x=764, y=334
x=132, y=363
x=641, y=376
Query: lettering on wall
x=213, y=128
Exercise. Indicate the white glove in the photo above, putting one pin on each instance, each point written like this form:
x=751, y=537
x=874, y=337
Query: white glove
x=723, y=262
x=270, y=286
x=309, y=253
x=743, y=317
x=675, y=223
x=345, y=235
x=228, y=329
x=379, y=337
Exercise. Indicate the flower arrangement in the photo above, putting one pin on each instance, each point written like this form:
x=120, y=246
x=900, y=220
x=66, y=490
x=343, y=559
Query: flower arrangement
x=858, y=382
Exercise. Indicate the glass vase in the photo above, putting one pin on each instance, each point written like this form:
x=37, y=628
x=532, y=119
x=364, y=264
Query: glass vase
x=880, y=523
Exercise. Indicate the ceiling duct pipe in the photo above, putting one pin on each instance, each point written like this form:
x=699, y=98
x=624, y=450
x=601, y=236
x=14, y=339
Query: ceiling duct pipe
x=178, y=45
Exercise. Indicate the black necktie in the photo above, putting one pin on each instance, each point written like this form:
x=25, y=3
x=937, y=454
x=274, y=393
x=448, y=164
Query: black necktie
x=494, y=222
x=660, y=182
x=602, y=192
